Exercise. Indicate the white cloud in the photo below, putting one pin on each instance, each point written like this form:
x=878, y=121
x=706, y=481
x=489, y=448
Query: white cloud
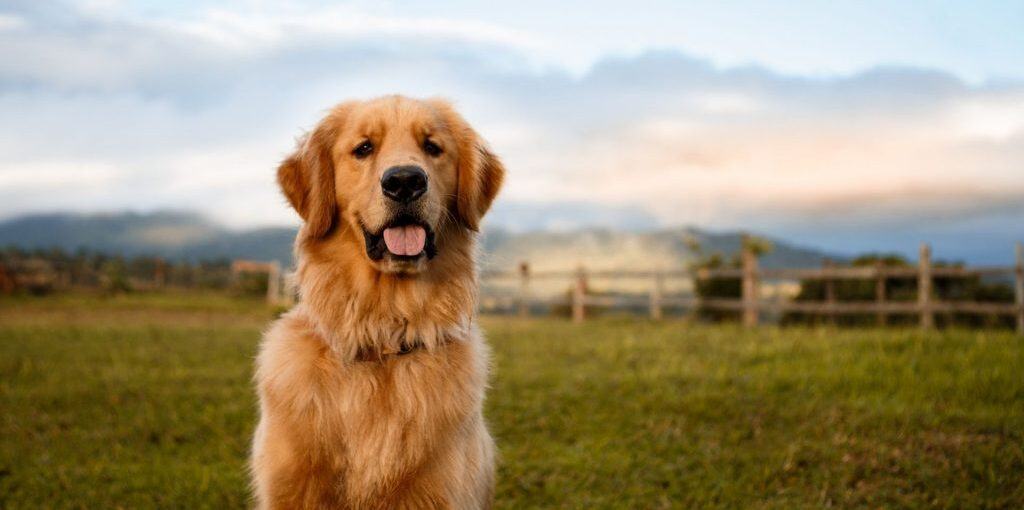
x=725, y=102
x=69, y=175
x=993, y=119
x=11, y=22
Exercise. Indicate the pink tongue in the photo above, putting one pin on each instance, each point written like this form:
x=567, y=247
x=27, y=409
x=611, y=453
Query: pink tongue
x=407, y=240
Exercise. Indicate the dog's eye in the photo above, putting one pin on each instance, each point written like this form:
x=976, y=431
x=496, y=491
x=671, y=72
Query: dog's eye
x=431, y=148
x=364, y=149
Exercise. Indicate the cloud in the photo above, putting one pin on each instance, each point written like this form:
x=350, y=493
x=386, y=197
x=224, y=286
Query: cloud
x=104, y=110
x=10, y=22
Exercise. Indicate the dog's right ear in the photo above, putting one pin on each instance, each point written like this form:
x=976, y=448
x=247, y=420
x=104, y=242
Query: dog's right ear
x=307, y=179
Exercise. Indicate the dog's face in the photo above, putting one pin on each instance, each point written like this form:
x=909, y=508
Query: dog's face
x=401, y=173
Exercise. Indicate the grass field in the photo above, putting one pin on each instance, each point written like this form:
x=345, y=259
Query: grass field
x=145, y=402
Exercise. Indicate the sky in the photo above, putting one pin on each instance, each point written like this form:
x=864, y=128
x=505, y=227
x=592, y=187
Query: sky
x=848, y=126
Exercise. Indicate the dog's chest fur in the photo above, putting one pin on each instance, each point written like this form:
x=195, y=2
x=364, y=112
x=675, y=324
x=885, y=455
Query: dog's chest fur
x=362, y=431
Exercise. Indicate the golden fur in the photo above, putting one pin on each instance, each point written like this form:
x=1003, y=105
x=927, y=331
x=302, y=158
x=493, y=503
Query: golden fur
x=400, y=431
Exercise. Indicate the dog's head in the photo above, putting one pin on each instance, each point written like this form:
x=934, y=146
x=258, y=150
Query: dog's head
x=398, y=172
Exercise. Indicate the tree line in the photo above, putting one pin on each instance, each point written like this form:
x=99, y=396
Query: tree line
x=42, y=271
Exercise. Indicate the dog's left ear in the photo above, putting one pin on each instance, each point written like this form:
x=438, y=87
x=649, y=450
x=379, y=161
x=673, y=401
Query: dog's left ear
x=480, y=172
x=480, y=179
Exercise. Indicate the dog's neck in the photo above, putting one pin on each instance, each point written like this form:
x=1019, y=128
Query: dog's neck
x=357, y=309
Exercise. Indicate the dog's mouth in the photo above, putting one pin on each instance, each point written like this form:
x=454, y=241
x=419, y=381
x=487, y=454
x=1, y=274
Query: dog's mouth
x=404, y=238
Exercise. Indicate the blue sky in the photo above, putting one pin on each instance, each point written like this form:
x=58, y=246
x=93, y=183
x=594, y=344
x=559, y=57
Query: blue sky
x=846, y=125
x=977, y=41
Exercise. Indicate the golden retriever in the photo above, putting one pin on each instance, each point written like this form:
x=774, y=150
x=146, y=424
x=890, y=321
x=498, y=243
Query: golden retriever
x=371, y=387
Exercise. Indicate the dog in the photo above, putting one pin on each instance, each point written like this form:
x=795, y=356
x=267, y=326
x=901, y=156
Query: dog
x=371, y=387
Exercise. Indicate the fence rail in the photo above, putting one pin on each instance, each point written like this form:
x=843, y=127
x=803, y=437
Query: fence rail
x=751, y=305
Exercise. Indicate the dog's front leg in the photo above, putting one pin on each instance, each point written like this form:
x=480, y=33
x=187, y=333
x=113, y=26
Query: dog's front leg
x=283, y=479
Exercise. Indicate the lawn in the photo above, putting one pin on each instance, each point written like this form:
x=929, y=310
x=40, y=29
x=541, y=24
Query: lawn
x=145, y=402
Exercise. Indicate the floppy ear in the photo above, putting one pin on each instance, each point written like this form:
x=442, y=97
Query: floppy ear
x=480, y=174
x=480, y=179
x=307, y=179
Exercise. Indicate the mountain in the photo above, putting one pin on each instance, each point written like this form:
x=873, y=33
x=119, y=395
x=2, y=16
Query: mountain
x=168, y=234
x=188, y=236
x=612, y=249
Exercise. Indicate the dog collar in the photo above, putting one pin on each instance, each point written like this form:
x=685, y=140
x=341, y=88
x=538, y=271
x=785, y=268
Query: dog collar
x=370, y=355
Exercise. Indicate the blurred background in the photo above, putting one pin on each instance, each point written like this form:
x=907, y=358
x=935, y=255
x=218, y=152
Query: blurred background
x=675, y=170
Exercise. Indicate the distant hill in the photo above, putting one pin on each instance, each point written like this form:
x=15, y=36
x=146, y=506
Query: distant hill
x=173, y=235
x=606, y=249
x=188, y=236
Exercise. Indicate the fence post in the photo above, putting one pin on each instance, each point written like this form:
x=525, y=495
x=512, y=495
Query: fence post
x=524, y=289
x=273, y=282
x=696, y=276
x=159, y=273
x=579, y=294
x=924, y=287
x=288, y=289
x=830, y=291
x=1020, y=288
x=880, y=292
x=656, y=291
x=749, y=285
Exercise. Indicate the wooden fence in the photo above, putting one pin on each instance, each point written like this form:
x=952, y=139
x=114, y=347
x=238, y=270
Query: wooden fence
x=751, y=305
x=280, y=287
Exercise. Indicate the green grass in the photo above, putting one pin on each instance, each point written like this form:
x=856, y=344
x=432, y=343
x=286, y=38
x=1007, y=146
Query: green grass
x=145, y=401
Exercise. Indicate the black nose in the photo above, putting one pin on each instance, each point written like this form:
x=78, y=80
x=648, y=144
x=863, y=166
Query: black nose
x=404, y=183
